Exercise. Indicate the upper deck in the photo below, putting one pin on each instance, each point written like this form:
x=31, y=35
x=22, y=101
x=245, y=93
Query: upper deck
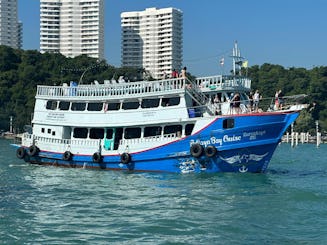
x=111, y=90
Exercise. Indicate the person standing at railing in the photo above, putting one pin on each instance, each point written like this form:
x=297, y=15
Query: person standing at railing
x=183, y=72
x=280, y=99
x=276, y=106
x=251, y=101
x=174, y=74
x=256, y=99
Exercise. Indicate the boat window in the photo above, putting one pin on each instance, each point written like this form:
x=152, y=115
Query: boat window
x=78, y=106
x=112, y=106
x=132, y=133
x=170, y=101
x=110, y=133
x=94, y=106
x=150, y=103
x=118, y=137
x=96, y=133
x=129, y=105
x=42, y=130
x=80, y=133
x=228, y=123
x=64, y=105
x=152, y=131
x=189, y=129
x=51, y=105
x=171, y=129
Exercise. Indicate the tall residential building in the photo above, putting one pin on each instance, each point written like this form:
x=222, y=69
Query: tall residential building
x=72, y=27
x=10, y=28
x=153, y=40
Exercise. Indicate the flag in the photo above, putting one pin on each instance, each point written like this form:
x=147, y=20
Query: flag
x=245, y=64
x=222, y=61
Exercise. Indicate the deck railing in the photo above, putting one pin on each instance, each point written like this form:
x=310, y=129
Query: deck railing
x=223, y=82
x=138, y=88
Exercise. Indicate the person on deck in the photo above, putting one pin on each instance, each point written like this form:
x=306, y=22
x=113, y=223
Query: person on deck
x=256, y=99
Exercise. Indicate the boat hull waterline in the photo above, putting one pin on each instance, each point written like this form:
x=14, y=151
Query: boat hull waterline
x=246, y=147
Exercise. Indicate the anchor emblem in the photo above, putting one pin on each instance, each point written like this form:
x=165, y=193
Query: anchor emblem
x=243, y=169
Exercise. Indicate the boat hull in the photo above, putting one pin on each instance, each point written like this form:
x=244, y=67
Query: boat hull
x=247, y=146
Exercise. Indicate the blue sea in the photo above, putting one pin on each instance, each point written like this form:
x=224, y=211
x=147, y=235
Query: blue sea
x=51, y=205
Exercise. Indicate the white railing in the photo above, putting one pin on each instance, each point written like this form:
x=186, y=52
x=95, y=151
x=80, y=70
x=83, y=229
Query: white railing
x=223, y=82
x=158, y=138
x=71, y=142
x=138, y=88
x=112, y=90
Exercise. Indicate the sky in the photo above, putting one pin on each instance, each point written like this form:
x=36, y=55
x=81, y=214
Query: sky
x=291, y=33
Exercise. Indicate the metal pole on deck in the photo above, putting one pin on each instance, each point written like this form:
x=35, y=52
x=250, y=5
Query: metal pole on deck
x=317, y=130
x=292, y=135
x=11, y=127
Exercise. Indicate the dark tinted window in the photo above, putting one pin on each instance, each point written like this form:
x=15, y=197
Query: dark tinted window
x=131, y=105
x=110, y=133
x=132, y=133
x=112, y=106
x=152, y=131
x=170, y=129
x=76, y=106
x=51, y=105
x=94, y=106
x=228, y=123
x=150, y=103
x=80, y=133
x=64, y=105
x=170, y=101
x=96, y=133
x=189, y=129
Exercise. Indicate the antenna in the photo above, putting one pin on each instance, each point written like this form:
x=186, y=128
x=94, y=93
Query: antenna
x=237, y=59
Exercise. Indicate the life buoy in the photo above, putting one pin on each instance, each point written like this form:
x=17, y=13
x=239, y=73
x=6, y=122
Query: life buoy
x=125, y=158
x=97, y=157
x=210, y=151
x=20, y=153
x=196, y=150
x=67, y=156
x=33, y=150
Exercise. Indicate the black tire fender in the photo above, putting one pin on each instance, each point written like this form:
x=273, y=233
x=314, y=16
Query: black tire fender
x=210, y=151
x=33, y=150
x=20, y=152
x=67, y=156
x=196, y=150
x=97, y=157
x=125, y=158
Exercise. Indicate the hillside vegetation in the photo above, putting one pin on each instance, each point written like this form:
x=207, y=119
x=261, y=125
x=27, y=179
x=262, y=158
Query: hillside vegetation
x=21, y=71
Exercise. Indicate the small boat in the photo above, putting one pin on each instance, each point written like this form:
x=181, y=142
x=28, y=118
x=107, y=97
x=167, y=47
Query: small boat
x=174, y=125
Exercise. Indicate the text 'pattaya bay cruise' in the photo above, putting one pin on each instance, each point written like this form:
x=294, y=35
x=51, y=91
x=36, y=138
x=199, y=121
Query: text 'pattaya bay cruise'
x=171, y=125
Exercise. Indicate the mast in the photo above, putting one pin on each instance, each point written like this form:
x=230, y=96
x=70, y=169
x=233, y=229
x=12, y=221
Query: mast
x=237, y=60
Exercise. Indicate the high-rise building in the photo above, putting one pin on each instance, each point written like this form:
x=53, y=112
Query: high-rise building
x=10, y=28
x=153, y=40
x=72, y=27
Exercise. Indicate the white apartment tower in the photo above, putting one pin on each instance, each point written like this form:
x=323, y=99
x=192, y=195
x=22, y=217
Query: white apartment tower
x=152, y=40
x=10, y=27
x=72, y=27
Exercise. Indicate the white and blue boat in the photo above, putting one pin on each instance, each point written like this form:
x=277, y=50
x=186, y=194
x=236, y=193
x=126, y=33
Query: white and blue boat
x=170, y=125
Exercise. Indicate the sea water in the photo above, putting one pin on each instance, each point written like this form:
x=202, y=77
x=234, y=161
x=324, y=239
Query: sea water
x=51, y=205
